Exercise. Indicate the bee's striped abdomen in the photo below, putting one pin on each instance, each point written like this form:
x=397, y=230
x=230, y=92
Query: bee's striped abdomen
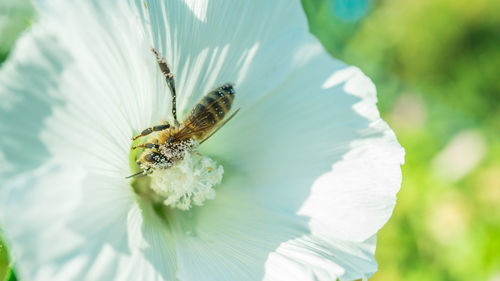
x=208, y=115
x=215, y=105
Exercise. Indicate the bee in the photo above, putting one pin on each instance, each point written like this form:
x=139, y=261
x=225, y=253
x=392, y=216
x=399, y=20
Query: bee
x=171, y=142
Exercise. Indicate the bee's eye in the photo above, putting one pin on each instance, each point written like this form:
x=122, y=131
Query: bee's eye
x=152, y=157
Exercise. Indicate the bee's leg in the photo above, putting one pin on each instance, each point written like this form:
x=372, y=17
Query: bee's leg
x=162, y=63
x=152, y=129
x=140, y=173
x=146, y=145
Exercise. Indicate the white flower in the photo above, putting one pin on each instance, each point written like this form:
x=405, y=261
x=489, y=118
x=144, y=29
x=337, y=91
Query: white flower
x=311, y=172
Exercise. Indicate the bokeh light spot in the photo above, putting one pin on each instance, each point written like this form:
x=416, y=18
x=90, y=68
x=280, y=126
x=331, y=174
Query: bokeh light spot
x=350, y=10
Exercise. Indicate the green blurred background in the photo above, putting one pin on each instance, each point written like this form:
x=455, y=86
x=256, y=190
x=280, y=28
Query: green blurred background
x=435, y=64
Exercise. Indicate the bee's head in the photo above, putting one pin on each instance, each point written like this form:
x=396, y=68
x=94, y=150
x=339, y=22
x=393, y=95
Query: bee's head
x=153, y=159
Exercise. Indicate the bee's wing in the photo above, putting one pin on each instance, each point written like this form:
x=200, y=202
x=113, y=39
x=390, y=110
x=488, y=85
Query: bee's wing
x=216, y=128
x=195, y=128
x=206, y=117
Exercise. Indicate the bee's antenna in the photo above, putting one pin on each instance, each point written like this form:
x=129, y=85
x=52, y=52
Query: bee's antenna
x=136, y=174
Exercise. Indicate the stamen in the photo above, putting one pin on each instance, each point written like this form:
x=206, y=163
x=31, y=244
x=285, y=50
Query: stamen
x=189, y=182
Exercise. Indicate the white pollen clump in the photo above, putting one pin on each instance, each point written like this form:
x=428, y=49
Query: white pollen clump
x=189, y=182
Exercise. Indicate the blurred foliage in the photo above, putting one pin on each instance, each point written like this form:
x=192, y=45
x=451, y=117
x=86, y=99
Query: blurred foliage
x=435, y=64
x=15, y=16
x=3, y=261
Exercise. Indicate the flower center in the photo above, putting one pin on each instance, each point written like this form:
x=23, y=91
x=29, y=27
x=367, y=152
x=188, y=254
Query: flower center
x=188, y=182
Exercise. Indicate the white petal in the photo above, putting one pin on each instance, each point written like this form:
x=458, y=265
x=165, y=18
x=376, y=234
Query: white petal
x=91, y=79
x=298, y=132
x=221, y=41
x=152, y=248
x=231, y=237
x=287, y=143
x=25, y=81
x=82, y=227
x=33, y=212
x=315, y=258
x=93, y=87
